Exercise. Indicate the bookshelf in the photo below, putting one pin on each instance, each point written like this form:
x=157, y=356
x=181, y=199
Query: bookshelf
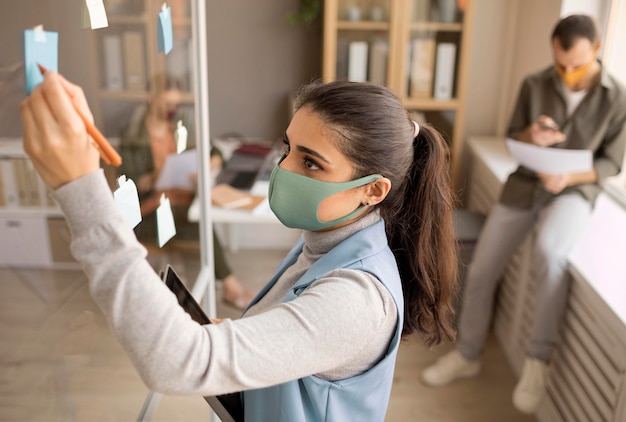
x=32, y=228
x=126, y=65
x=417, y=48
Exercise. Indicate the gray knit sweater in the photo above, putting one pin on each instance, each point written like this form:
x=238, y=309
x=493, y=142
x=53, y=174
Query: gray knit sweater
x=338, y=328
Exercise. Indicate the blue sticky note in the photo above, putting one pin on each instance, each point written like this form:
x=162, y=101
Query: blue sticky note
x=40, y=47
x=165, y=37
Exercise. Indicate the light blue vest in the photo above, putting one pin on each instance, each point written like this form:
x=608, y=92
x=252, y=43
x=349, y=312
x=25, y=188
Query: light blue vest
x=360, y=398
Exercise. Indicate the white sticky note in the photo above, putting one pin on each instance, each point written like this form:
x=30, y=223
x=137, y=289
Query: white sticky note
x=181, y=137
x=166, y=229
x=97, y=14
x=127, y=200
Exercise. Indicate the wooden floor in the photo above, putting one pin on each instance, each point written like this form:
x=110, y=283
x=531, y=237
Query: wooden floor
x=59, y=361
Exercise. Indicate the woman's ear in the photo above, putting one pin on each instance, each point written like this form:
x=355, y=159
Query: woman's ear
x=376, y=191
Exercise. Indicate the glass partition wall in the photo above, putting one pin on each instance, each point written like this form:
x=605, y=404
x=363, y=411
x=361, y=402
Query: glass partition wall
x=69, y=367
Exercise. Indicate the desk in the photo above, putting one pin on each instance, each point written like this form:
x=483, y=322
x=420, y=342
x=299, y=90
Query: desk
x=263, y=229
x=262, y=214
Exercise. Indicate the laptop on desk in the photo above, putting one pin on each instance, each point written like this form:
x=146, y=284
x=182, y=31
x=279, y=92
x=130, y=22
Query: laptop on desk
x=250, y=165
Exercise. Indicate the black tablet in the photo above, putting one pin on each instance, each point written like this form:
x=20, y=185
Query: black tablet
x=227, y=407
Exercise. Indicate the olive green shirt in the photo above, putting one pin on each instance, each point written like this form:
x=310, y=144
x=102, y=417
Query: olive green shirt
x=597, y=124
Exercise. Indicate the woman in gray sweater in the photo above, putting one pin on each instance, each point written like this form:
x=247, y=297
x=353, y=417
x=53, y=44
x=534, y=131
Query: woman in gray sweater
x=370, y=189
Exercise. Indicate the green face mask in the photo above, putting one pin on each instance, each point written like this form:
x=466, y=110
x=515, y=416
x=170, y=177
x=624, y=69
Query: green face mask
x=295, y=199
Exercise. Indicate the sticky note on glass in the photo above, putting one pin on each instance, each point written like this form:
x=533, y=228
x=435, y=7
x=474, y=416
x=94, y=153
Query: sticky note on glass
x=97, y=14
x=165, y=37
x=127, y=200
x=181, y=137
x=166, y=229
x=40, y=47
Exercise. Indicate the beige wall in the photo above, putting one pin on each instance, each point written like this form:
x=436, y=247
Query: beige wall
x=255, y=60
x=255, y=57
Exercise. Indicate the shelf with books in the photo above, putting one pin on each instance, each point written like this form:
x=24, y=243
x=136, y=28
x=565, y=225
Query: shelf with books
x=417, y=48
x=28, y=214
x=128, y=69
x=436, y=27
x=363, y=26
x=358, y=40
x=428, y=103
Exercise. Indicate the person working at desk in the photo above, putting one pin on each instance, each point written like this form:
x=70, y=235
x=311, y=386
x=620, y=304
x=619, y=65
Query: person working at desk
x=146, y=142
x=573, y=104
x=377, y=259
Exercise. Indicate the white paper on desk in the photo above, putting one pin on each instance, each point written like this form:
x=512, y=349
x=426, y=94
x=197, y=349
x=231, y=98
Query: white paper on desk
x=177, y=170
x=263, y=208
x=550, y=160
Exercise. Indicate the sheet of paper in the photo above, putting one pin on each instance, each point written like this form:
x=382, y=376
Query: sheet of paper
x=550, y=160
x=177, y=171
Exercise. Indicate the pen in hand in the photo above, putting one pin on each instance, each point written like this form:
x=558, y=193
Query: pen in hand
x=107, y=152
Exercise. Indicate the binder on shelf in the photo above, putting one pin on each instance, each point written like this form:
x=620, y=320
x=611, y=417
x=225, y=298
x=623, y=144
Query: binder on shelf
x=9, y=185
x=422, y=67
x=134, y=66
x=341, y=71
x=33, y=184
x=406, y=72
x=378, y=61
x=421, y=10
x=26, y=180
x=113, y=68
x=19, y=173
x=357, y=61
x=444, y=71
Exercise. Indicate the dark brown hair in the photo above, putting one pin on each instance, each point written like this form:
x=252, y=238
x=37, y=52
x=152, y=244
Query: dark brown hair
x=568, y=30
x=375, y=132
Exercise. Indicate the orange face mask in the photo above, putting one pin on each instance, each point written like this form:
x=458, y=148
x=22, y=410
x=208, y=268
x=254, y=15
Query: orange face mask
x=572, y=77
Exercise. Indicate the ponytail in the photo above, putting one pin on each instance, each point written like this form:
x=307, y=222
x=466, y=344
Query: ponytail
x=422, y=239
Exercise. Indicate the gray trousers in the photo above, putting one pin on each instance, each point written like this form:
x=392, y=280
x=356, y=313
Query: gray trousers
x=556, y=224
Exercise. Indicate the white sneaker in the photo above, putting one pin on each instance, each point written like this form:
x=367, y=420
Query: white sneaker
x=531, y=387
x=448, y=368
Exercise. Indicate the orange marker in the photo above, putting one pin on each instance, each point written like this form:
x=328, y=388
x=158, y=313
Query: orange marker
x=107, y=152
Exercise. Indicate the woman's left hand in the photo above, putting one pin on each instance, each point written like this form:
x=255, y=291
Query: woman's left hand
x=55, y=137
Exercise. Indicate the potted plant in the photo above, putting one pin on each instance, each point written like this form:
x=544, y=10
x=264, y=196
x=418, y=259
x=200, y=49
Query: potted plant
x=308, y=11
